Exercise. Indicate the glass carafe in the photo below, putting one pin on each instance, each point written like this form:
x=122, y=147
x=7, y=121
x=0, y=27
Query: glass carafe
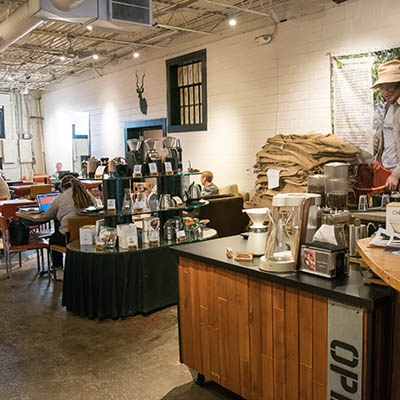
x=141, y=203
x=278, y=252
x=336, y=193
x=127, y=204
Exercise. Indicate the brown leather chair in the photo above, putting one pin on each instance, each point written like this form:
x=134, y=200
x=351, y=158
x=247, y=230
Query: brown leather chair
x=225, y=215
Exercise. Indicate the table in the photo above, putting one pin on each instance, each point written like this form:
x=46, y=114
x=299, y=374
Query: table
x=30, y=189
x=31, y=218
x=21, y=190
x=8, y=208
x=386, y=266
x=119, y=283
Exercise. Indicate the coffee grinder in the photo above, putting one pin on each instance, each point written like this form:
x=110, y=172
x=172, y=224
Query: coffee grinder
x=152, y=155
x=170, y=143
x=134, y=156
x=258, y=230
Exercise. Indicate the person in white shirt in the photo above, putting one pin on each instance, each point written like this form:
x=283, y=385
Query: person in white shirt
x=387, y=136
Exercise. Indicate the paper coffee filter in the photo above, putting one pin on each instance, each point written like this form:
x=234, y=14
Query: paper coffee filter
x=325, y=234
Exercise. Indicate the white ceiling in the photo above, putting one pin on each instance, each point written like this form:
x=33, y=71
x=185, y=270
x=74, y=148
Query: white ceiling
x=30, y=60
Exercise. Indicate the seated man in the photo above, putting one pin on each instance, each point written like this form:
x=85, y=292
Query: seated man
x=208, y=188
x=55, y=178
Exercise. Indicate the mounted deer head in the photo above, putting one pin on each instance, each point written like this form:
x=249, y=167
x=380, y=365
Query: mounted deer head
x=139, y=91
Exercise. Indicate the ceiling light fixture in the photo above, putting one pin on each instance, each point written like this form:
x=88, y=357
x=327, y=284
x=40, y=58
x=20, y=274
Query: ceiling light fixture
x=89, y=27
x=95, y=56
x=136, y=54
x=232, y=21
x=62, y=58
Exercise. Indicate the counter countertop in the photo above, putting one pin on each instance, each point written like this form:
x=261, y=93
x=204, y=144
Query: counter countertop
x=345, y=288
x=372, y=215
x=385, y=265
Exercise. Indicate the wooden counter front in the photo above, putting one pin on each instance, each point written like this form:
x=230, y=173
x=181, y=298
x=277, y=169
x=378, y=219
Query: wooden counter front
x=267, y=336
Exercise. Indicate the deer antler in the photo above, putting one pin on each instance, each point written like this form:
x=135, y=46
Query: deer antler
x=140, y=88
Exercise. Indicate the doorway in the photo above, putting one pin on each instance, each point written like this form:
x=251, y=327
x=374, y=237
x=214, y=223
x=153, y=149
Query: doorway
x=152, y=128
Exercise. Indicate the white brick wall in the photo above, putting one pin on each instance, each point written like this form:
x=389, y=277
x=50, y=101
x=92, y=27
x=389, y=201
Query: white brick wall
x=254, y=91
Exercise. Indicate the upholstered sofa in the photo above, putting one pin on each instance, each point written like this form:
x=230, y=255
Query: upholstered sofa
x=225, y=214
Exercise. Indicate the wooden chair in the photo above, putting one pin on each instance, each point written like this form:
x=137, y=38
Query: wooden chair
x=42, y=178
x=73, y=225
x=34, y=243
x=39, y=189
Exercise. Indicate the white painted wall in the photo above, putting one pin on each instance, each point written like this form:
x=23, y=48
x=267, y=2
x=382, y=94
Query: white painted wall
x=254, y=92
x=22, y=116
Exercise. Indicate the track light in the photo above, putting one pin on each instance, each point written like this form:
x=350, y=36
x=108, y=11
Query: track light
x=136, y=54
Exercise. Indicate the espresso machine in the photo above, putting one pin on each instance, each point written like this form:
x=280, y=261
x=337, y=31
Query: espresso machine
x=292, y=218
x=135, y=155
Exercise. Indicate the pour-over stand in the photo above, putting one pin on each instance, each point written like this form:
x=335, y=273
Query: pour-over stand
x=258, y=231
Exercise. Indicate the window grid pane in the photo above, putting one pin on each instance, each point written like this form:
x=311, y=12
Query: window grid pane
x=190, y=85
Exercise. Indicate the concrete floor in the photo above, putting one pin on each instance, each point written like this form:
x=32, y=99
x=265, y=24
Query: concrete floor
x=48, y=353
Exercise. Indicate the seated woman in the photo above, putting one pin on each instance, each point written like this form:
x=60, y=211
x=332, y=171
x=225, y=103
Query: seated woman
x=209, y=188
x=5, y=193
x=73, y=197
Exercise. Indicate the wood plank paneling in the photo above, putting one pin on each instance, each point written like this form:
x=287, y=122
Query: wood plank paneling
x=232, y=332
x=255, y=339
x=305, y=343
x=320, y=346
x=185, y=315
x=204, y=323
x=195, y=307
x=278, y=304
x=213, y=325
x=243, y=335
x=292, y=342
x=267, y=340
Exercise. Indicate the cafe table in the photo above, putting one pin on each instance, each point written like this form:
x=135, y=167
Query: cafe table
x=8, y=208
x=117, y=283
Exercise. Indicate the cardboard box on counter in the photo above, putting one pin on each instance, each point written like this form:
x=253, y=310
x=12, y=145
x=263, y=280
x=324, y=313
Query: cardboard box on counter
x=87, y=234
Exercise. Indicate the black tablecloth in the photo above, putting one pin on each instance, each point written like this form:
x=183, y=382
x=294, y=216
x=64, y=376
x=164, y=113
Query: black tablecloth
x=117, y=284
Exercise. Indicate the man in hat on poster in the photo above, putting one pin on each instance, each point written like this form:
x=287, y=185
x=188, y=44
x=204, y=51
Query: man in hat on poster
x=387, y=136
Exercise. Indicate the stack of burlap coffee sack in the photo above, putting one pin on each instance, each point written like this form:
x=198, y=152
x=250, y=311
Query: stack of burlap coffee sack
x=297, y=156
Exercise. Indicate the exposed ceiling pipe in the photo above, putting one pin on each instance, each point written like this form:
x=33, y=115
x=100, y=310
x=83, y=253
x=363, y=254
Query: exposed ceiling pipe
x=23, y=20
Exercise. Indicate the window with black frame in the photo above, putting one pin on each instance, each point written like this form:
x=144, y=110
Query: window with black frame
x=2, y=130
x=187, y=92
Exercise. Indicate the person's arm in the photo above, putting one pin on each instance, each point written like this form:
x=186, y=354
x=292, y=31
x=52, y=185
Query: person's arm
x=51, y=212
x=4, y=189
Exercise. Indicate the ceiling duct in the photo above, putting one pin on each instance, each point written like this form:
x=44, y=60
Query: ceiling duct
x=113, y=15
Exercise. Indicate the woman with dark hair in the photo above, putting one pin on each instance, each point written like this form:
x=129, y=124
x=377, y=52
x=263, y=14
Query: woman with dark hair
x=73, y=197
